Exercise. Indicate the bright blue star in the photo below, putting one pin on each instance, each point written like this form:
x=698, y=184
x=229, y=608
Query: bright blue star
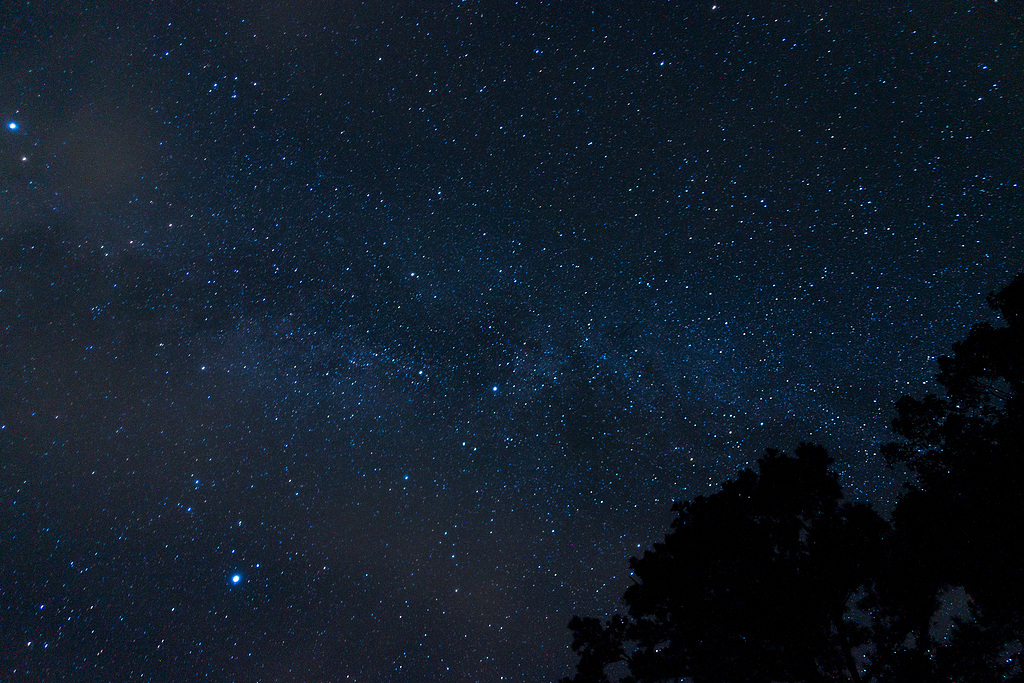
x=12, y=125
x=236, y=578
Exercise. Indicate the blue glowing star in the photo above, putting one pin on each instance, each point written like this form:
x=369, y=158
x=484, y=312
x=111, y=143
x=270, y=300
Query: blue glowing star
x=12, y=125
x=236, y=578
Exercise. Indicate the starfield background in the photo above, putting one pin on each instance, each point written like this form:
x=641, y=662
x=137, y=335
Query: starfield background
x=367, y=340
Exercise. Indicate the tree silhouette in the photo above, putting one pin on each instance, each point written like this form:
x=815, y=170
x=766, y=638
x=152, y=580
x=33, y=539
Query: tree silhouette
x=961, y=525
x=777, y=578
x=754, y=583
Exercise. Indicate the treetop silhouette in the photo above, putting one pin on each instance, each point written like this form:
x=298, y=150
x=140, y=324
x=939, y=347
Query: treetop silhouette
x=778, y=578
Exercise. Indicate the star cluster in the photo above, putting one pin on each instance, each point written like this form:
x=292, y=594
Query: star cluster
x=367, y=341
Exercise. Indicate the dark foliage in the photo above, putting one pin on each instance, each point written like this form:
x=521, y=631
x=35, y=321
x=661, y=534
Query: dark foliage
x=962, y=524
x=778, y=578
x=754, y=583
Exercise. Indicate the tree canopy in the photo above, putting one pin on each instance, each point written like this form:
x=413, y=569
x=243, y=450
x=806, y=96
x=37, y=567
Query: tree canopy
x=961, y=524
x=778, y=577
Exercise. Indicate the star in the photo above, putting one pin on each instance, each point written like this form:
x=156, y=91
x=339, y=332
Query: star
x=236, y=578
x=12, y=125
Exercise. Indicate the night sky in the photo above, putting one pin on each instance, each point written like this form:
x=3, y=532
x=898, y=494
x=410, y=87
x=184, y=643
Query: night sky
x=366, y=341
